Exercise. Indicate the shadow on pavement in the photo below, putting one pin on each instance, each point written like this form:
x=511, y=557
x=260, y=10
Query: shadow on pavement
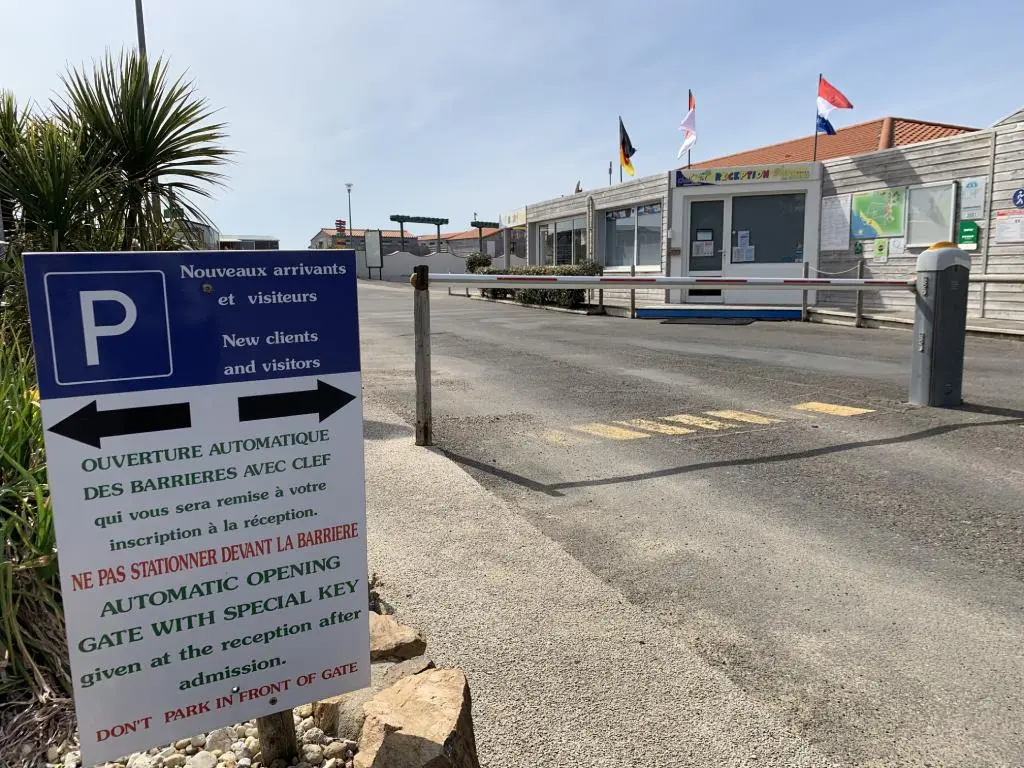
x=382, y=430
x=555, y=489
x=991, y=410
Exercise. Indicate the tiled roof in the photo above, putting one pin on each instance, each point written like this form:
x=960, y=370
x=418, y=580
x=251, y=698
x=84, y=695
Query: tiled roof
x=361, y=232
x=883, y=133
x=469, y=234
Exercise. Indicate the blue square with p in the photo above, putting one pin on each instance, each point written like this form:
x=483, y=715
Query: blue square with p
x=108, y=326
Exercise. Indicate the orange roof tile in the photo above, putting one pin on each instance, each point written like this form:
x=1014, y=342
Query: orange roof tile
x=468, y=234
x=361, y=232
x=853, y=140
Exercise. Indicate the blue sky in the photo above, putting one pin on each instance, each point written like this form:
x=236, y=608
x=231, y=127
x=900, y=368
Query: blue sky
x=455, y=107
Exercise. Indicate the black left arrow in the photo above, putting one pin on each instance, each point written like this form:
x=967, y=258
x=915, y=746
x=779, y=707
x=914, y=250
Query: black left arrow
x=90, y=425
x=324, y=401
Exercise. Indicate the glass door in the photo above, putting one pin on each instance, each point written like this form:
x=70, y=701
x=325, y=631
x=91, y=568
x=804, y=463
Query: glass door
x=707, y=246
x=706, y=242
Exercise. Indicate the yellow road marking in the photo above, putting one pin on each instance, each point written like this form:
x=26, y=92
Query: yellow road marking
x=655, y=426
x=832, y=409
x=698, y=421
x=749, y=418
x=610, y=432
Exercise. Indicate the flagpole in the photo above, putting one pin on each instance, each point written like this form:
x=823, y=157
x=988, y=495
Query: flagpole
x=814, y=152
x=687, y=158
x=609, y=173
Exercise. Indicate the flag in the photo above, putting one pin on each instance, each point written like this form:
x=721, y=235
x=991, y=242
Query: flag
x=689, y=127
x=626, y=149
x=828, y=99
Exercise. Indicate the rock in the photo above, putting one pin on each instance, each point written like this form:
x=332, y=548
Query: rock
x=220, y=739
x=406, y=668
x=252, y=744
x=423, y=720
x=332, y=763
x=202, y=759
x=176, y=760
x=334, y=749
x=244, y=762
x=182, y=743
x=313, y=754
x=52, y=753
x=304, y=711
x=313, y=735
x=141, y=760
x=168, y=751
x=198, y=741
x=252, y=731
x=216, y=752
x=391, y=640
x=227, y=760
x=304, y=725
x=71, y=759
x=190, y=750
x=343, y=715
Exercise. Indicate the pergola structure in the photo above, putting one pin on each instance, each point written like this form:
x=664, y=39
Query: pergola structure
x=480, y=231
x=402, y=220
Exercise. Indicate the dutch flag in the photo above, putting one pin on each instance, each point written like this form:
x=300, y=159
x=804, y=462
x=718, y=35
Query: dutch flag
x=829, y=98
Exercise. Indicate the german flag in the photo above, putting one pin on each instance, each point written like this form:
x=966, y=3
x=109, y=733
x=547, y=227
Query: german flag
x=626, y=149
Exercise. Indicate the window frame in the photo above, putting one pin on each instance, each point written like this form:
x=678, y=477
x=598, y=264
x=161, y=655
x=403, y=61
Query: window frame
x=635, y=214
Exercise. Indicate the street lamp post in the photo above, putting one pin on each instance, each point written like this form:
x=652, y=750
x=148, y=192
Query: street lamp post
x=141, y=27
x=348, y=188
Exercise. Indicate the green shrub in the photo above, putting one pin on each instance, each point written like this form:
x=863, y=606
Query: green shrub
x=478, y=262
x=570, y=298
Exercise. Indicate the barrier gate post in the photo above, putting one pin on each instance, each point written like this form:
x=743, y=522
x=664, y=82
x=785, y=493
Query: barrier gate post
x=940, y=326
x=420, y=280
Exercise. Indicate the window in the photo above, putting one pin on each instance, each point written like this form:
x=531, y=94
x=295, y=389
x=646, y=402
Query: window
x=648, y=235
x=546, y=241
x=619, y=240
x=632, y=236
x=579, y=241
x=767, y=229
x=930, y=214
x=563, y=242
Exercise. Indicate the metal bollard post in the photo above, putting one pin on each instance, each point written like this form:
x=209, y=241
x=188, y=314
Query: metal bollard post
x=804, y=315
x=632, y=294
x=940, y=326
x=421, y=332
x=858, y=317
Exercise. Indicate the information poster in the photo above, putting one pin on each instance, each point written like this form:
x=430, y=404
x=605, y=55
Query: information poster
x=879, y=213
x=835, y=223
x=204, y=441
x=972, y=199
x=1010, y=226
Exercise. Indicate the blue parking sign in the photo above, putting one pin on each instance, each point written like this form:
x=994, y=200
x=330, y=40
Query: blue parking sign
x=108, y=326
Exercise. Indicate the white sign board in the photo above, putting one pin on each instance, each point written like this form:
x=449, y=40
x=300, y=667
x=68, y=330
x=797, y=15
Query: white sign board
x=374, y=250
x=516, y=218
x=835, y=223
x=1009, y=227
x=972, y=199
x=700, y=249
x=204, y=447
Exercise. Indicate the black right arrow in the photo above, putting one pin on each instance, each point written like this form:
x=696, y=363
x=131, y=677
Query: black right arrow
x=90, y=425
x=325, y=400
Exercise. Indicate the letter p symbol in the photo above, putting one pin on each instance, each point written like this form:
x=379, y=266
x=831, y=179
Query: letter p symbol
x=92, y=332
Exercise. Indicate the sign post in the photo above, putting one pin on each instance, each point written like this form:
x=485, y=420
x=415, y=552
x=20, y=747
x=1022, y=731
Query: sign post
x=203, y=421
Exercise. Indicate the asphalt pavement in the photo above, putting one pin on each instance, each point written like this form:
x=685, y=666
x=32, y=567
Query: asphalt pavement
x=761, y=497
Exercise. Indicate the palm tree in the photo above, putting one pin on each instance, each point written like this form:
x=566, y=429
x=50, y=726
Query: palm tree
x=157, y=138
